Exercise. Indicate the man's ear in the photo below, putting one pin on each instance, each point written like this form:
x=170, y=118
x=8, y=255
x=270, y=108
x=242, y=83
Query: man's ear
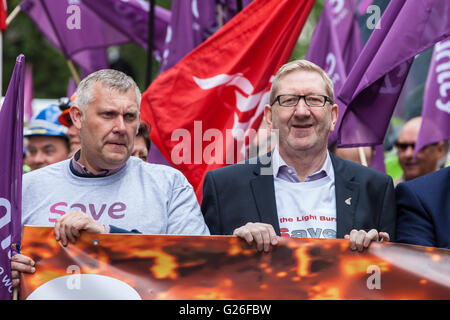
x=268, y=115
x=76, y=115
x=334, y=116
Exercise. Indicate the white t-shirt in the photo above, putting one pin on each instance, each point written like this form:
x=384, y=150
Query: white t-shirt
x=154, y=199
x=305, y=209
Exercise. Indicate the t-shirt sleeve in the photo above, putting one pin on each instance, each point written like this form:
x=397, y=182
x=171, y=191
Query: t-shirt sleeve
x=184, y=214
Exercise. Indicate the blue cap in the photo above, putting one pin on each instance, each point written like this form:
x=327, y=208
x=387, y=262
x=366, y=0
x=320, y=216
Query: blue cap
x=46, y=123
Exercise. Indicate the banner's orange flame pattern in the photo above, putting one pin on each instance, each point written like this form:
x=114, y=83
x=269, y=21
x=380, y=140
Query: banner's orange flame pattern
x=184, y=267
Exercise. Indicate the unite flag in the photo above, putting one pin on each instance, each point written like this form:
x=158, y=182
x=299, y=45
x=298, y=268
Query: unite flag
x=436, y=101
x=374, y=83
x=220, y=88
x=11, y=150
x=3, y=15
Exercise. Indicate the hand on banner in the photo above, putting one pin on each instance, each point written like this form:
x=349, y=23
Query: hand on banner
x=69, y=226
x=360, y=239
x=20, y=263
x=261, y=233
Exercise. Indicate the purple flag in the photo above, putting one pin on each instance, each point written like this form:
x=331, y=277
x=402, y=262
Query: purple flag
x=191, y=23
x=231, y=8
x=11, y=146
x=336, y=42
x=363, y=5
x=71, y=88
x=375, y=82
x=436, y=102
x=83, y=30
x=131, y=19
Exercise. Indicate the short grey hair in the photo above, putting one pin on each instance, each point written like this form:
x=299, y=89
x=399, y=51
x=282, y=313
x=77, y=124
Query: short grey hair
x=301, y=65
x=109, y=78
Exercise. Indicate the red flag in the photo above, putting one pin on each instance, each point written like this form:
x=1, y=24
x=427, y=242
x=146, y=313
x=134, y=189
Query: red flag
x=201, y=109
x=3, y=15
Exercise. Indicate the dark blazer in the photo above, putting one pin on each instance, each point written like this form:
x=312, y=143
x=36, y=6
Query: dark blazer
x=423, y=206
x=237, y=194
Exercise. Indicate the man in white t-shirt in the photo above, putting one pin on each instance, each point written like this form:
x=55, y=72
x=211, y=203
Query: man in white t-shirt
x=102, y=188
x=303, y=190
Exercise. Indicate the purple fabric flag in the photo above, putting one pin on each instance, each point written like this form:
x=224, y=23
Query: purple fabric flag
x=231, y=8
x=131, y=19
x=363, y=5
x=336, y=42
x=155, y=156
x=436, y=102
x=191, y=23
x=11, y=146
x=83, y=30
x=335, y=46
x=374, y=84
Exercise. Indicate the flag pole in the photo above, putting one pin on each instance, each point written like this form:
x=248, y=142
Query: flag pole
x=1, y=64
x=13, y=14
x=151, y=28
x=220, y=14
x=74, y=72
x=239, y=5
x=362, y=156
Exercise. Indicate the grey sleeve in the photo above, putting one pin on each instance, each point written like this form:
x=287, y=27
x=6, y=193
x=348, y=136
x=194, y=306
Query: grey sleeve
x=184, y=214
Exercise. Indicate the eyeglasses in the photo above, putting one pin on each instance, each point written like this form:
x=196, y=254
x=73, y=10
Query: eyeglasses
x=311, y=100
x=404, y=146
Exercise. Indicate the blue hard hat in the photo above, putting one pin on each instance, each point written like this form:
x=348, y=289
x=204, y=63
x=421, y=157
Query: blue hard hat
x=46, y=123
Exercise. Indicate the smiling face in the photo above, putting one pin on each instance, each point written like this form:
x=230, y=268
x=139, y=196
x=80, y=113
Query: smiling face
x=427, y=158
x=302, y=128
x=108, y=127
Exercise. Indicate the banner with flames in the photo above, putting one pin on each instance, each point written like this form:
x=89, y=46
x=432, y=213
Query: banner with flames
x=221, y=267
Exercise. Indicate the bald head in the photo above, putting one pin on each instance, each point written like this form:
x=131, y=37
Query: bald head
x=410, y=130
x=427, y=158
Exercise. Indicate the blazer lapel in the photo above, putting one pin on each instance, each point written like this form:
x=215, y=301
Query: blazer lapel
x=264, y=194
x=347, y=192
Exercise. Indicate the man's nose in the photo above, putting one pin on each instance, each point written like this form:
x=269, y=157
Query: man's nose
x=302, y=109
x=38, y=158
x=119, y=125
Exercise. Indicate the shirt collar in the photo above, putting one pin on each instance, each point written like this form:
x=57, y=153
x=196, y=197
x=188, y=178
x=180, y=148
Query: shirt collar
x=281, y=169
x=81, y=171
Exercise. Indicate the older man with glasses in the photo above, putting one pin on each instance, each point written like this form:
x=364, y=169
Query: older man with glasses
x=428, y=159
x=305, y=191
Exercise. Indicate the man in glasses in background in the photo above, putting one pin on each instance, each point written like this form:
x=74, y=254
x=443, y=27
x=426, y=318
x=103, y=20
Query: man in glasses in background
x=428, y=159
x=305, y=191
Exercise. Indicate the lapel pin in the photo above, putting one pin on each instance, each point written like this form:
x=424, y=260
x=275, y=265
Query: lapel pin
x=348, y=201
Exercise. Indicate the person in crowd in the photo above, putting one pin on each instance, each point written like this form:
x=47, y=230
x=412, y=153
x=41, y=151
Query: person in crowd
x=300, y=189
x=423, y=206
x=102, y=188
x=73, y=133
x=142, y=142
x=47, y=142
x=428, y=159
